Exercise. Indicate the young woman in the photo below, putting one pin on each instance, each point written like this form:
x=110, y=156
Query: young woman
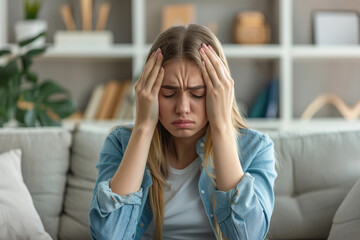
x=188, y=168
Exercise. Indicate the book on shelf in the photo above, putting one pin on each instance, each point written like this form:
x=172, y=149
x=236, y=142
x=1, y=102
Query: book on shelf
x=126, y=109
x=266, y=103
x=124, y=89
x=273, y=99
x=94, y=102
x=108, y=100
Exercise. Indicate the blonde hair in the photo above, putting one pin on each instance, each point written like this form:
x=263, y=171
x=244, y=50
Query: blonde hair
x=182, y=43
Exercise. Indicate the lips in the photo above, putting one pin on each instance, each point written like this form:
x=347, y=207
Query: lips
x=183, y=123
x=179, y=121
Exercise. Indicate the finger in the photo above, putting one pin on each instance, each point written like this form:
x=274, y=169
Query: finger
x=154, y=73
x=159, y=81
x=215, y=61
x=149, y=67
x=206, y=76
x=227, y=73
x=210, y=69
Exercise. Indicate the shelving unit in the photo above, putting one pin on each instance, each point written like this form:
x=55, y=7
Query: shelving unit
x=252, y=66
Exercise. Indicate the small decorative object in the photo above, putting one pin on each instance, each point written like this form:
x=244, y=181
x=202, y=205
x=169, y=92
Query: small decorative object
x=87, y=37
x=31, y=25
x=348, y=113
x=23, y=98
x=251, y=28
x=336, y=27
x=181, y=14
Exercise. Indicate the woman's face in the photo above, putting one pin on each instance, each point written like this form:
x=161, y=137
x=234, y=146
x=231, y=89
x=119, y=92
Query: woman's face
x=182, y=106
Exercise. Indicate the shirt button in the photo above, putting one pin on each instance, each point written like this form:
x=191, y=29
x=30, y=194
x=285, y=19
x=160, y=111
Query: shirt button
x=202, y=191
x=211, y=215
x=202, y=144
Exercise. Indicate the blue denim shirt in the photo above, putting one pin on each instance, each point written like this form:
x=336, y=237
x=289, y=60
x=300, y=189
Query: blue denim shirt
x=243, y=212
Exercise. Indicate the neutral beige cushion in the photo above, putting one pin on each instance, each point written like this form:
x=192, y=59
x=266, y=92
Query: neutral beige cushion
x=346, y=223
x=45, y=163
x=316, y=171
x=18, y=216
x=85, y=154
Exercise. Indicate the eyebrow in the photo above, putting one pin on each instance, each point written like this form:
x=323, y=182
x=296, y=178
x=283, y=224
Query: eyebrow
x=172, y=87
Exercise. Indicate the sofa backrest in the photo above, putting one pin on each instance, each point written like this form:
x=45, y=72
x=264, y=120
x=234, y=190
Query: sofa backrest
x=315, y=172
x=45, y=163
x=85, y=150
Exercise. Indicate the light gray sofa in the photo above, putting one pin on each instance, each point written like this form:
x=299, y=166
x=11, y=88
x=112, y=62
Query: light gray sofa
x=315, y=173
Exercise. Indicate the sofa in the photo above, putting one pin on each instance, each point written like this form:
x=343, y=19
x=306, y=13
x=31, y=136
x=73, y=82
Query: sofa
x=316, y=191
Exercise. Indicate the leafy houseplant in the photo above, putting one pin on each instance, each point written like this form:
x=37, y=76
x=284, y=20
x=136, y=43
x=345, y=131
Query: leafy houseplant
x=32, y=8
x=31, y=25
x=23, y=98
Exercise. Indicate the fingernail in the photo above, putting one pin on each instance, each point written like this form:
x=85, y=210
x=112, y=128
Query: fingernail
x=159, y=55
x=202, y=51
x=211, y=47
x=158, y=50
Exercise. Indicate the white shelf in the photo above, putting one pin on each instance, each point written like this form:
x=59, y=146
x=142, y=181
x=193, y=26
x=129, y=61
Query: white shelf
x=312, y=51
x=271, y=51
x=115, y=51
x=263, y=123
x=324, y=123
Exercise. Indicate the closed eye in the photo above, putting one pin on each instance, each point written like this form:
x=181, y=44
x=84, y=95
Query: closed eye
x=172, y=95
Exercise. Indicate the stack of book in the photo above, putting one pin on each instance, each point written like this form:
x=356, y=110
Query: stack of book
x=266, y=103
x=112, y=100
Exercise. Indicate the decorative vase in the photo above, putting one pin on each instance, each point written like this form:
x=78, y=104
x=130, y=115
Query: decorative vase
x=251, y=28
x=26, y=29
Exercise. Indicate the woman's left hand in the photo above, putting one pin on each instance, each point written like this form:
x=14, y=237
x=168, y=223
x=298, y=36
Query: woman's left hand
x=219, y=88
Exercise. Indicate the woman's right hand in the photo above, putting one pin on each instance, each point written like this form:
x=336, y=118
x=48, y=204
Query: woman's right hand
x=147, y=90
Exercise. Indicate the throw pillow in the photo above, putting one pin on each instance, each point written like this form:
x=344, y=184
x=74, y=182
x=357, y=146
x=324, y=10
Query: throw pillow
x=346, y=222
x=18, y=216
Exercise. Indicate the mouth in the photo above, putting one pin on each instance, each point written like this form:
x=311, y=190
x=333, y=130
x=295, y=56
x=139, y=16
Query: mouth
x=183, y=123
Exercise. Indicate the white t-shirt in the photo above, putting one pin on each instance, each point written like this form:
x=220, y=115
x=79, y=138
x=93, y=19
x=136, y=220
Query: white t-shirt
x=184, y=216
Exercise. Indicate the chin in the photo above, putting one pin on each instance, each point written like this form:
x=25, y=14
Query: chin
x=182, y=132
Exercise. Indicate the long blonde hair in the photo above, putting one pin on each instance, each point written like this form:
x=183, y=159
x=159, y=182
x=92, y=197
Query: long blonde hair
x=181, y=42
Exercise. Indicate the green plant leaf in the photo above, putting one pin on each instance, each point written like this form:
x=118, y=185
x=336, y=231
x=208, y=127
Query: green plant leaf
x=4, y=52
x=7, y=72
x=63, y=108
x=30, y=118
x=32, y=8
x=26, y=62
x=30, y=40
x=31, y=77
x=49, y=88
x=30, y=95
x=45, y=120
x=20, y=116
x=36, y=51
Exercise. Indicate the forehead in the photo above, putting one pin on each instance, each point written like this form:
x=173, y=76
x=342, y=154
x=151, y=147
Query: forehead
x=182, y=72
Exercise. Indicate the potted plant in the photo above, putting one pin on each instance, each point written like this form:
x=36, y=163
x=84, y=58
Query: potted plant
x=31, y=25
x=23, y=98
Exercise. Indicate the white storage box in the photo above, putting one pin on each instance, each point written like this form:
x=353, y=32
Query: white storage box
x=83, y=38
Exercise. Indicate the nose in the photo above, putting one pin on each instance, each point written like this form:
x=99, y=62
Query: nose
x=182, y=104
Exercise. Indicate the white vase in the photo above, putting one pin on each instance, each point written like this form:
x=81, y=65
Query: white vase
x=26, y=29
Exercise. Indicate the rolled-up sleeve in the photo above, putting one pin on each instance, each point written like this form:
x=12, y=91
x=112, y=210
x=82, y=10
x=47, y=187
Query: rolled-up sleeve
x=112, y=216
x=244, y=212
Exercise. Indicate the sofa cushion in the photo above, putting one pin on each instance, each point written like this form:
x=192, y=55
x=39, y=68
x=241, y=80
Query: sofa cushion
x=346, y=223
x=45, y=163
x=315, y=172
x=88, y=142
x=18, y=216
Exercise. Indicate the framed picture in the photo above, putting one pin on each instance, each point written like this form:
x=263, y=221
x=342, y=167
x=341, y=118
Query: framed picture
x=336, y=27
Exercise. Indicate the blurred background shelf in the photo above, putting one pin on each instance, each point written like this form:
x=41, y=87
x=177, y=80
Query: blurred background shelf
x=303, y=69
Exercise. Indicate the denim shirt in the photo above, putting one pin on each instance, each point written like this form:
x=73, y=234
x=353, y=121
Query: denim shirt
x=243, y=212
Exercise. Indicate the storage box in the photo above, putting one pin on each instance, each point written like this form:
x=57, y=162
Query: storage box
x=83, y=38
